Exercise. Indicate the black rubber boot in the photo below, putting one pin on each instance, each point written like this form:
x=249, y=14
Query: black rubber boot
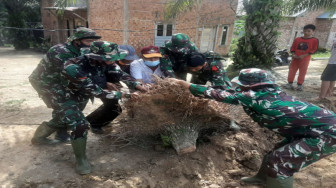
x=103, y=115
x=280, y=183
x=41, y=134
x=79, y=148
x=260, y=177
x=62, y=135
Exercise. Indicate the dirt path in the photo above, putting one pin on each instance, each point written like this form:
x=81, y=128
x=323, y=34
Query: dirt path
x=218, y=163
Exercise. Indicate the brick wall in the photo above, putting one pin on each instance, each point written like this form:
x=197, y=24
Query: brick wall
x=219, y=14
x=143, y=15
x=134, y=21
x=107, y=14
x=49, y=21
x=332, y=35
x=290, y=26
x=52, y=21
x=323, y=27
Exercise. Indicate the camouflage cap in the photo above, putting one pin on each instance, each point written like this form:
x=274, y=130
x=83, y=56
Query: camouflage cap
x=106, y=51
x=180, y=40
x=253, y=77
x=212, y=55
x=83, y=33
x=180, y=43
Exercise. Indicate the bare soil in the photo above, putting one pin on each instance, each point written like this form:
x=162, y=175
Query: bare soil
x=221, y=158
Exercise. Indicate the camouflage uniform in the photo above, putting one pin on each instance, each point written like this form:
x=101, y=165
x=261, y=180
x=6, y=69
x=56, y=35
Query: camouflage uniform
x=174, y=54
x=46, y=78
x=309, y=131
x=83, y=78
x=213, y=72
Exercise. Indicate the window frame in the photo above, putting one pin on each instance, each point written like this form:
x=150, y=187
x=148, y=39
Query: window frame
x=226, y=37
x=164, y=34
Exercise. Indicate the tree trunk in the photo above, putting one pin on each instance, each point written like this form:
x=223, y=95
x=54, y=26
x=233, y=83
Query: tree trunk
x=257, y=47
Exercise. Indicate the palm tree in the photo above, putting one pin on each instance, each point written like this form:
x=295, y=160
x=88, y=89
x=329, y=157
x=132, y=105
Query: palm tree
x=18, y=13
x=300, y=5
x=257, y=47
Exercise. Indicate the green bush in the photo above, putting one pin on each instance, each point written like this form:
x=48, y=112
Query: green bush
x=231, y=71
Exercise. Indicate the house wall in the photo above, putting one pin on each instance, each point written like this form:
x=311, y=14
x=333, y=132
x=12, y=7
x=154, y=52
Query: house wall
x=332, y=34
x=324, y=29
x=287, y=35
x=219, y=13
x=58, y=23
x=49, y=21
x=140, y=16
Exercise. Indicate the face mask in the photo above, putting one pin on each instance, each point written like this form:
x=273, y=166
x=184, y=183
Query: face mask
x=152, y=63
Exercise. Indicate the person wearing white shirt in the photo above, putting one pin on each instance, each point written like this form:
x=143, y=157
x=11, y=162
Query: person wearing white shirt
x=144, y=69
x=328, y=76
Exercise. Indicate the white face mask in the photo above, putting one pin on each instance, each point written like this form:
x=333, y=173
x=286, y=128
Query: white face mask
x=152, y=63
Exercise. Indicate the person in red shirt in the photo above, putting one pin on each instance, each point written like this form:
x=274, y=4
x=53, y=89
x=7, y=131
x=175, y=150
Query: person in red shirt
x=302, y=49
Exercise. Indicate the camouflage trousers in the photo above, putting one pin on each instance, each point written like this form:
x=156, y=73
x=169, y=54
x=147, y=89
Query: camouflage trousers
x=67, y=112
x=298, y=153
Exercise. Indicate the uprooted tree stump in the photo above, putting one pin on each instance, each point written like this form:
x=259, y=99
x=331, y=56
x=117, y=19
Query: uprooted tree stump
x=169, y=108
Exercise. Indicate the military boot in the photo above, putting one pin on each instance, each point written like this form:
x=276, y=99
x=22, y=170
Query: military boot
x=79, y=148
x=260, y=177
x=41, y=134
x=62, y=135
x=280, y=183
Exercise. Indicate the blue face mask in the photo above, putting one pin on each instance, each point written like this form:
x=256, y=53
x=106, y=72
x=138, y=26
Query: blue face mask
x=152, y=63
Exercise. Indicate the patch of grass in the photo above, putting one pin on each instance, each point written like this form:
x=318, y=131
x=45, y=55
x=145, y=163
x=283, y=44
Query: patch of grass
x=321, y=54
x=15, y=102
x=8, y=45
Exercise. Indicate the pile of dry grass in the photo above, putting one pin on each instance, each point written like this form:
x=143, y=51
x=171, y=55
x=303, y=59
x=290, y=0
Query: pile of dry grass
x=169, y=104
x=169, y=107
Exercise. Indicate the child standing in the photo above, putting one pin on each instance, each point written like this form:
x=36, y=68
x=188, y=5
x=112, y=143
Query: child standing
x=302, y=49
x=328, y=76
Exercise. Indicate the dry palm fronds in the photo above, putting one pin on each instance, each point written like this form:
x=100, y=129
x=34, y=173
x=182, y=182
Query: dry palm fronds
x=168, y=106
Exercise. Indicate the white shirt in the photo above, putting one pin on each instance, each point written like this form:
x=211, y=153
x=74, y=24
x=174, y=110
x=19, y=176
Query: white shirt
x=332, y=59
x=141, y=71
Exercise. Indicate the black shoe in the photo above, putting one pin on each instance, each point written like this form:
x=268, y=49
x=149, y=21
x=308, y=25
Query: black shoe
x=97, y=130
x=62, y=135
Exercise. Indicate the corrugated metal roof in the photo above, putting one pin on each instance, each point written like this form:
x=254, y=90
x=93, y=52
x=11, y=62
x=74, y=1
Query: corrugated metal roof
x=327, y=15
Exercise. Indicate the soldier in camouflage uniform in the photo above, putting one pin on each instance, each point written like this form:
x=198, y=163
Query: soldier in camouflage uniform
x=82, y=79
x=110, y=109
x=207, y=69
x=309, y=131
x=175, y=53
x=46, y=78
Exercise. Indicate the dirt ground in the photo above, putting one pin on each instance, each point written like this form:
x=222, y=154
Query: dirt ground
x=220, y=160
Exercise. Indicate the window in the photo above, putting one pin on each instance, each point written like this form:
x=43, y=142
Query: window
x=169, y=30
x=159, y=30
x=164, y=30
x=163, y=33
x=68, y=28
x=224, y=35
x=77, y=3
